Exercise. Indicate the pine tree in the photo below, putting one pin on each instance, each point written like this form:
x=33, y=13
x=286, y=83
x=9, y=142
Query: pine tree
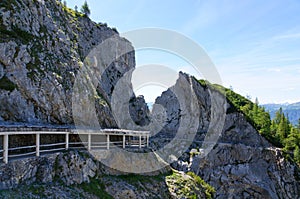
x=278, y=116
x=297, y=154
x=280, y=128
x=85, y=9
x=265, y=124
x=256, y=101
x=283, y=130
x=292, y=141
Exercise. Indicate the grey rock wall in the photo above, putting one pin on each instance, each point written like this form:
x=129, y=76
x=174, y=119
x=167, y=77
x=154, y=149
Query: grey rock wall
x=42, y=49
x=241, y=163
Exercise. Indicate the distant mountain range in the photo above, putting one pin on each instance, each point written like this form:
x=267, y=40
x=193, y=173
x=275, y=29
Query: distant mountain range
x=291, y=110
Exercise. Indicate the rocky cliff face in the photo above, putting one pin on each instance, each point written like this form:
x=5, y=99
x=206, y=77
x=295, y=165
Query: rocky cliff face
x=244, y=165
x=78, y=175
x=241, y=164
x=42, y=48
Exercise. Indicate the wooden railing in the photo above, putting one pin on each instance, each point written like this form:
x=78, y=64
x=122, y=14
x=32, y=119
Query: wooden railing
x=129, y=138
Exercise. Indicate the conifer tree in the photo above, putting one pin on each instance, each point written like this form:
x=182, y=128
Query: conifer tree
x=297, y=154
x=278, y=116
x=85, y=9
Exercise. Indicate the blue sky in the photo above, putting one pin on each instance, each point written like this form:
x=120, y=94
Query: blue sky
x=255, y=45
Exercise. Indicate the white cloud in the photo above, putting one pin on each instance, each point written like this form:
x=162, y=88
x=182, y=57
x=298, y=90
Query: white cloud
x=290, y=89
x=274, y=70
x=287, y=36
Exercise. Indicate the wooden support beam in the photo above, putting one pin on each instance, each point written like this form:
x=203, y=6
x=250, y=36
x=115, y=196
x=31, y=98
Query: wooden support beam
x=37, y=143
x=5, y=148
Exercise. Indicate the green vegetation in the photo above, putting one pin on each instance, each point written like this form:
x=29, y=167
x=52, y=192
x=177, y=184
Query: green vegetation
x=184, y=186
x=41, y=190
x=37, y=190
x=8, y=4
x=132, y=178
x=286, y=135
x=75, y=14
x=279, y=131
x=292, y=110
x=85, y=9
x=6, y=84
x=95, y=187
x=256, y=115
x=189, y=187
x=115, y=29
x=209, y=190
x=15, y=33
x=34, y=70
x=23, y=192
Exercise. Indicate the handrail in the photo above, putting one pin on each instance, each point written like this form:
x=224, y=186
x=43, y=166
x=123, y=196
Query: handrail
x=32, y=132
x=55, y=144
x=49, y=150
x=143, y=140
x=22, y=147
x=23, y=154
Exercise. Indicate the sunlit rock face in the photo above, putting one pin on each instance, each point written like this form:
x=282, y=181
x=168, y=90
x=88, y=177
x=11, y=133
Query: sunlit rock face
x=43, y=47
x=241, y=163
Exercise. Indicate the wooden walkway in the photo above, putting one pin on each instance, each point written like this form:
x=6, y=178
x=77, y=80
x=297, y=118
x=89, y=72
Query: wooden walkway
x=129, y=138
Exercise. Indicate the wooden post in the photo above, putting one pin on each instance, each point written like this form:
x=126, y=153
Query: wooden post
x=89, y=142
x=140, y=141
x=37, y=142
x=124, y=139
x=67, y=140
x=5, y=148
x=107, y=140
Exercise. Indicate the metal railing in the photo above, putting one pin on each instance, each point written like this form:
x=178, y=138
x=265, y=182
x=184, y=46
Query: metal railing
x=129, y=139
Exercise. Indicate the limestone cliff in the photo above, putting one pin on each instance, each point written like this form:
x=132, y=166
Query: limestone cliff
x=242, y=163
x=42, y=47
x=78, y=175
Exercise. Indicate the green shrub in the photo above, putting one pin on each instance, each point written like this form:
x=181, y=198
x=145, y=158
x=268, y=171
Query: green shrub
x=279, y=131
x=15, y=33
x=6, y=84
x=95, y=187
x=209, y=190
